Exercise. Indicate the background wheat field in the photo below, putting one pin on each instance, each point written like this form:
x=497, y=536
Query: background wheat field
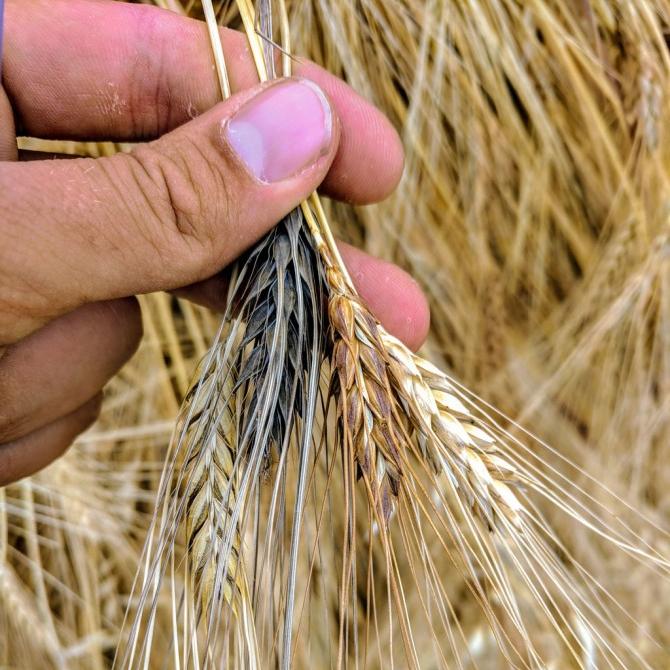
x=535, y=213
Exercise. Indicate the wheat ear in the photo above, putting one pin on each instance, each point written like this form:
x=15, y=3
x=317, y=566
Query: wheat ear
x=211, y=493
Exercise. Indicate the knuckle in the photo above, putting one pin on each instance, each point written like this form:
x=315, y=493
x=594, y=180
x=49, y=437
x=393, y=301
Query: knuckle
x=150, y=101
x=184, y=190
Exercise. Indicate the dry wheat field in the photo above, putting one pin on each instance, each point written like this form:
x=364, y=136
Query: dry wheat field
x=288, y=486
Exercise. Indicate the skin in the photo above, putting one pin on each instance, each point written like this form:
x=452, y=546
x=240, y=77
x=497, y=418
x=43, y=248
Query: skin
x=80, y=238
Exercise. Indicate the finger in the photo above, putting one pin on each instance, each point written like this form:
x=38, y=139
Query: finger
x=62, y=366
x=33, y=452
x=392, y=295
x=171, y=213
x=86, y=70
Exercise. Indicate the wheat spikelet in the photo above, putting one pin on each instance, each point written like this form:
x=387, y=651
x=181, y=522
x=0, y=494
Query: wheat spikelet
x=371, y=426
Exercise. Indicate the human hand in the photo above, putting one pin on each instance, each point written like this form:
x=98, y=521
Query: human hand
x=79, y=238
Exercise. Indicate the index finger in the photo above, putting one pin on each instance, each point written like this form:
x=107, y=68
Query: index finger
x=87, y=70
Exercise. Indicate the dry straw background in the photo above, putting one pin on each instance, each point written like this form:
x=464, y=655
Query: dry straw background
x=534, y=212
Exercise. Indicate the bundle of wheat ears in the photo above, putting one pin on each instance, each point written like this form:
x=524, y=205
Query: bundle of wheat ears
x=331, y=499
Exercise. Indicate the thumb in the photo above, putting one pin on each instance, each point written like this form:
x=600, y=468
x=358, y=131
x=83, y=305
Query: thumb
x=169, y=213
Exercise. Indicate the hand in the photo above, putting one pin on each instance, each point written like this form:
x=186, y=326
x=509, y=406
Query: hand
x=79, y=238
